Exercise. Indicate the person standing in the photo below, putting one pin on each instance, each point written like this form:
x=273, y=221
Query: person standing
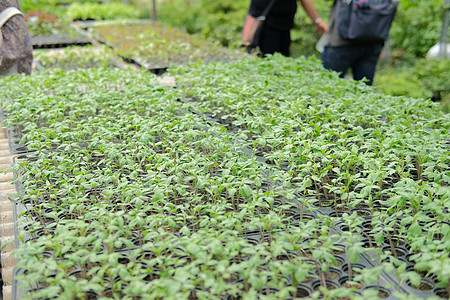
x=16, y=50
x=276, y=32
x=339, y=54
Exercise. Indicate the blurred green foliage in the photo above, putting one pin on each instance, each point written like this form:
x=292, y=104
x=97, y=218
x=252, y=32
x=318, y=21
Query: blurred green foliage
x=402, y=82
x=417, y=26
x=82, y=9
x=426, y=78
x=214, y=20
x=304, y=35
x=434, y=73
x=56, y=7
x=95, y=11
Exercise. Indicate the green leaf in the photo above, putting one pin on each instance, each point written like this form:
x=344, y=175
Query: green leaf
x=139, y=203
x=245, y=191
x=415, y=229
x=185, y=231
x=231, y=192
x=415, y=278
x=301, y=274
x=354, y=254
x=158, y=195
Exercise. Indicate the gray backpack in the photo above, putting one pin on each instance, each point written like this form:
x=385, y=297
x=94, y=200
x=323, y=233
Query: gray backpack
x=364, y=20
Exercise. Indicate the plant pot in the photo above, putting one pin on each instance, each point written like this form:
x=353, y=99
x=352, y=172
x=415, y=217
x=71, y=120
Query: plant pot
x=367, y=225
x=354, y=268
x=425, y=285
x=400, y=252
x=441, y=292
x=91, y=295
x=78, y=274
x=151, y=274
x=363, y=212
x=346, y=228
x=322, y=203
x=369, y=243
x=286, y=256
x=361, y=205
x=29, y=291
x=382, y=292
x=339, y=214
x=251, y=233
x=234, y=277
x=123, y=259
x=342, y=208
x=146, y=255
x=331, y=274
x=308, y=279
x=330, y=285
x=338, y=249
x=343, y=281
x=42, y=284
x=266, y=291
x=399, y=242
x=339, y=261
x=253, y=240
x=424, y=274
x=302, y=291
x=303, y=218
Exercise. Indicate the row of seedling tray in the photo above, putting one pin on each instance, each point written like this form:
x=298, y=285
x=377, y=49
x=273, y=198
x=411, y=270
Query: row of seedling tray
x=273, y=185
x=144, y=43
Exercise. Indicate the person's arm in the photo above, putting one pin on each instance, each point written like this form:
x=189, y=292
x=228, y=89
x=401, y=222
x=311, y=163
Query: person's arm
x=311, y=11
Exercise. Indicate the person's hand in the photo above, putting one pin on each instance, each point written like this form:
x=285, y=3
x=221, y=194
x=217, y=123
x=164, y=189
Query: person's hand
x=321, y=27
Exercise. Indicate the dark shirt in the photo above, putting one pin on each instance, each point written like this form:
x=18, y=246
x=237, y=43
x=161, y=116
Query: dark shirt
x=281, y=15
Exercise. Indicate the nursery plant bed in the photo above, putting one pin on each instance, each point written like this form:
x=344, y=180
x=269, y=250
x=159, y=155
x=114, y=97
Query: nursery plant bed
x=156, y=46
x=133, y=185
x=256, y=118
x=57, y=41
x=76, y=57
x=316, y=211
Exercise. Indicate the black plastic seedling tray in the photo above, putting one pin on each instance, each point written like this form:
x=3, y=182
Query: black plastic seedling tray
x=388, y=283
x=14, y=138
x=55, y=41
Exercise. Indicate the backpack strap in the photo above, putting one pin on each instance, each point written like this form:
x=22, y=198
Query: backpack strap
x=8, y=14
x=267, y=10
